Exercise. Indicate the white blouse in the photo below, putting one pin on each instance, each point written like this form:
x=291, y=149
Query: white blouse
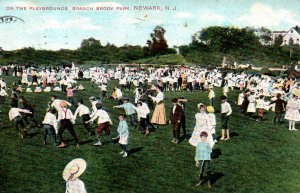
x=50, y=119
x=159, y=97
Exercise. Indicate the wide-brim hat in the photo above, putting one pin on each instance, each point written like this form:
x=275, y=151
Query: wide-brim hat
x=74, y=169
x=201, y=104
x=210, y=109
x=296, y=92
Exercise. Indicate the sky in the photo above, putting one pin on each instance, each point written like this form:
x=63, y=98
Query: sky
x=54, y=29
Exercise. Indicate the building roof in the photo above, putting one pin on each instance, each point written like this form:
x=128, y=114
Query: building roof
x=280, y=31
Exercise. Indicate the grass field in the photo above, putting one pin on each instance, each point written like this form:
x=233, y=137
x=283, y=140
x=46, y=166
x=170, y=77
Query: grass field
x=259, y=157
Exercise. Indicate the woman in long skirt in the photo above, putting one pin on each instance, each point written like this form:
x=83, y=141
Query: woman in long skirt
x=159, y=114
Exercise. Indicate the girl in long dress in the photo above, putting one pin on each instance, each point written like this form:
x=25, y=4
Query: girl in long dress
x=159, y=114
x=251, y=109
x=202, y=124
x=292, y=112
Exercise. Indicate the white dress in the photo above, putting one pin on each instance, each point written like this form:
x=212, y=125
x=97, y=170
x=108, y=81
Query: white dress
x=292, y=112
x=202, y=124
x=75, y=186
x=251, y=106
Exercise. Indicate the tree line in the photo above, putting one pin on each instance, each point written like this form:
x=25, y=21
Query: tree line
x=210, y=46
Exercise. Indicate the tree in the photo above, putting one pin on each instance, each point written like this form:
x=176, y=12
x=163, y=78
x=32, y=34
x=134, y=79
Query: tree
x=278, y=41
x=226, y=39
x=158, y=44
x=265, y=35
x=90, y=43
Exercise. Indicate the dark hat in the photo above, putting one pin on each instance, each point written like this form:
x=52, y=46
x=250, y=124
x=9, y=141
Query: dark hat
x=223, y=97
x=174, y=100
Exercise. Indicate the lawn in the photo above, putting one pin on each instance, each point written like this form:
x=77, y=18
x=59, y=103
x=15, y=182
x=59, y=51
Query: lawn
x=260, y=157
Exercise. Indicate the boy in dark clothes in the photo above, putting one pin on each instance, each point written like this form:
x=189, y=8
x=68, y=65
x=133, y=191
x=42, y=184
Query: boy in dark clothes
x=280, y=106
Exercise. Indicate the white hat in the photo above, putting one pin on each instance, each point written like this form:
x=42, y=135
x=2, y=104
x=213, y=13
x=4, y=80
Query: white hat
x=74, y=169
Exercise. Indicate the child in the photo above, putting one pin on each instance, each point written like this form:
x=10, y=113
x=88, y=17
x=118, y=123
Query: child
x=71, y=175
x=183, y=103
x=81, y=87
x=202, y=158
x=225, y=113
x=104, y=123
x=104, y=90
x=143, y=112
x=50, y=126
x=261, y=107
x=240, y=99
x=212, y=122
x=26, y=105
x=84, y=112
x=2, y=95
x=279, y=108
x=292, y=113
x=225, y=90
x=123, y=135
x=14, y=115
x=67, y=121
x=70, y=94
x=130, y=110
x=251, y=106
x=175, y=120
x=211, y=95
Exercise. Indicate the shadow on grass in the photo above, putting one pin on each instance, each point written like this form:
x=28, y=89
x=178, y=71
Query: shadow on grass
x=135, y=150
x=216, y=153
x=215, y=177
x=31, y=135
x=234, y=134
x=86, y=142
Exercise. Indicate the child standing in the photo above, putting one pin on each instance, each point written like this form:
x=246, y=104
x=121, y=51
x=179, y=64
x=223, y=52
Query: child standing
x=104, y=90
x=211, y=95
x=123, y=135
x=292, y=113
x=279, y=108
x=212, y=122
x=202, y=159
x=70, y=94
x=261, y=106
x=175, y=120
x=143, y=112
x=225, y=113
x=2, y=95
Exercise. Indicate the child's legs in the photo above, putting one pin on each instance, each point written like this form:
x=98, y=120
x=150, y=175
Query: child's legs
x=293, y=124
x=46, y=132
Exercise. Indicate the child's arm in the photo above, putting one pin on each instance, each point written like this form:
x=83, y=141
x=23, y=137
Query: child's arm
x=118, y=106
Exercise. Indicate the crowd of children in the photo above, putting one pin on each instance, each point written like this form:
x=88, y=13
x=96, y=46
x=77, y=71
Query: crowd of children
x=258, y=94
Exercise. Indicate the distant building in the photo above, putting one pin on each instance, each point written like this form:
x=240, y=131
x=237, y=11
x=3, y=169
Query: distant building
x=291, y=37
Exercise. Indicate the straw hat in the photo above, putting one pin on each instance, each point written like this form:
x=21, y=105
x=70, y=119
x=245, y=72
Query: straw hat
x=296, y=92
x=74, y=169
x=63, y=104
x=210, y=109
